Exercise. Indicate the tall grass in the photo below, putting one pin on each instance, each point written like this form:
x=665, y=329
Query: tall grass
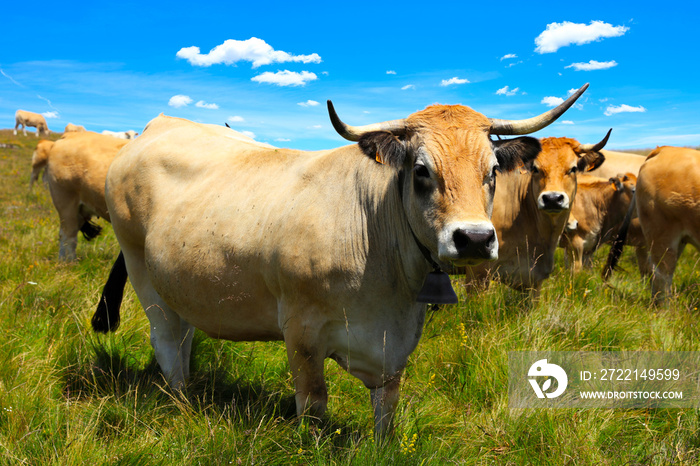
x=68, y=396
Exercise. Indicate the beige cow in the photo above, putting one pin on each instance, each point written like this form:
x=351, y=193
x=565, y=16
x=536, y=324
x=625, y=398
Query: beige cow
x=76, y=168
x=35, y=120
x=70, y=127
x=325, y=250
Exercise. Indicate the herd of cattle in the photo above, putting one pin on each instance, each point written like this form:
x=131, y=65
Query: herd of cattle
x=330, y=250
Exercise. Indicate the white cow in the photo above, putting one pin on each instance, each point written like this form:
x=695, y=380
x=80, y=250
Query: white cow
x=131, y=134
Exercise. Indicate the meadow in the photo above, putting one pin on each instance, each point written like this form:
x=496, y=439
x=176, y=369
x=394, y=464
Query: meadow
x=69, y=396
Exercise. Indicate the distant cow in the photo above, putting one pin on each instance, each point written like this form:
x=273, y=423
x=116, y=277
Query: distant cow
x=530, y=210
x=70, y=127
x=131, y=134
x=325, y=250
x=668, y=205
x=599, y=209
x=76, y=168
x=35, y=120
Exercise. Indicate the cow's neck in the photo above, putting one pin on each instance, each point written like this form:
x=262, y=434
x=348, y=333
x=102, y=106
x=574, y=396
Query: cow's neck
x=382, y=226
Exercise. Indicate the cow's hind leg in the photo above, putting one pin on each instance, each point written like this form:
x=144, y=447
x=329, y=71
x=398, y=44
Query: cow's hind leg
x=171, y=336
x=67, y=207
x=664, y=256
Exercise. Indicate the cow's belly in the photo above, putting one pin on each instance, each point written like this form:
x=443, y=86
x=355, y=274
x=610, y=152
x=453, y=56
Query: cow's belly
x=222, y=294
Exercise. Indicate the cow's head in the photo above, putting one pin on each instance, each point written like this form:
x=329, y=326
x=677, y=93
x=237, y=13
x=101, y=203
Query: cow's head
x=447, y=165
x=553, y=174
x=624, y=185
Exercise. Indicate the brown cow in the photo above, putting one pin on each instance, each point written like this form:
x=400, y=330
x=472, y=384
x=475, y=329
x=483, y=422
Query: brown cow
x=668, y=205
x=599, y=209
x=76, y=169
x=325, y=250
x=531, y=209
x=35, y=120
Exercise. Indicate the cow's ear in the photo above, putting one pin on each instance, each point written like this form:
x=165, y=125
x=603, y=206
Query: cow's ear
x=590, y=161
x=617, y=184
x=384, y=148
x=516, y=152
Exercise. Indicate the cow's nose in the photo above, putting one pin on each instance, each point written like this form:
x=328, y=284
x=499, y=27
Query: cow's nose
x=474, y=244
x=553, y=201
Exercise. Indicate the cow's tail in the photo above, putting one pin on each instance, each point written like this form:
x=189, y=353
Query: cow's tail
x=106, y=317
x=619, y=242
x=89, y=229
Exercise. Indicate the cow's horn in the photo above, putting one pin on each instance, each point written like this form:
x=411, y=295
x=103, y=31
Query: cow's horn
x=530, y=125
x=595, y=147
x=353, y=133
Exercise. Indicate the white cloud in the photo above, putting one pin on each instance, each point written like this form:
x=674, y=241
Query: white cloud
x=285, y=78
x=508, y=56
x=282, y=140
x=566, y=122
x=316, y=127
x=179, y=100
x=203, y=104
x=612, y=110
x=391, y=72
x=505, y=91
x=50, y=114
x=407, y=87
x=308, y=103
x=236, y=119
x=559, y=35
x=552, y=101
x=455, y=80
x=593, y=65
x=250, y=134
x=253, y=50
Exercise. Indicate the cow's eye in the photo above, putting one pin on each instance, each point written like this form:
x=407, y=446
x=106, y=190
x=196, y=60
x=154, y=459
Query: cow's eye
x=573, y=170
x=534, y=169
x=421, y=171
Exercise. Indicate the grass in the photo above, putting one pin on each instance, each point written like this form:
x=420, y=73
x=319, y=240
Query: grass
x=68, y=396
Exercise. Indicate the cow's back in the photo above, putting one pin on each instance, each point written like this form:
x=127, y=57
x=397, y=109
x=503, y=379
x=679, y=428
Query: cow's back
x=669, y=181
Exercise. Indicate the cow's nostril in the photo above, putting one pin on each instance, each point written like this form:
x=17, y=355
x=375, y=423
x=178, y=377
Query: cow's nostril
x=473, y=243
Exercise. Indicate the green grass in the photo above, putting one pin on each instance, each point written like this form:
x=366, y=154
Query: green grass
x=68, y=396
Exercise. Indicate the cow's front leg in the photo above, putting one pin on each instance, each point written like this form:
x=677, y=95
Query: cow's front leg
x=384, y=401
x=306, y=356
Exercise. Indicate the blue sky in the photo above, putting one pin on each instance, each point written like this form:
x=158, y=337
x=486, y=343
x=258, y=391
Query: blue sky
x=273, y=65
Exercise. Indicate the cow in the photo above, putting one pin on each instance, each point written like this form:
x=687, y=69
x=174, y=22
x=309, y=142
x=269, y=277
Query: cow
x=668, y=207
x=131, y=134
x=599, y=209
x=618, y=162
x=531, y=210
x=327, y=251
x=39, y=159
x=76, y=168
x=35, y=120
x=71, y=127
